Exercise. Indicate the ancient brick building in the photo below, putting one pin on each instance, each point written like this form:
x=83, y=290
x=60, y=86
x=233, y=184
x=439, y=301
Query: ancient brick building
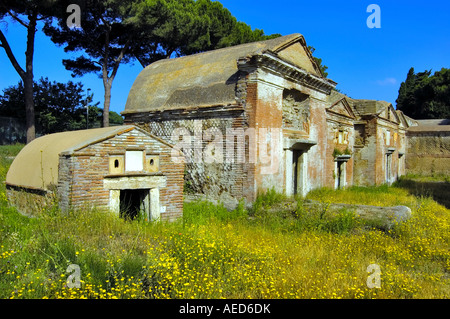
x=266, y=101
x=379, y=143
x=269, y=106
x=246, y=119
x=367, y=139
x=340, y=141
x=122, y=169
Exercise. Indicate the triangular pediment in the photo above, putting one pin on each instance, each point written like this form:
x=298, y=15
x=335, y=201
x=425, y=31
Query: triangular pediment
x=342, y=108
x=403, y=122
x=390, y=114
x=297, y=53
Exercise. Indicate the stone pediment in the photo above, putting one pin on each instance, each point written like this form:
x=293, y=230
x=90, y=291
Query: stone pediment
x=342, y=108
x=389, y=114
x=299, y=55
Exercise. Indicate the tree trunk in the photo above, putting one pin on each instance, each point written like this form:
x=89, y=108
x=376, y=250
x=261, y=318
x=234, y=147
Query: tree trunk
x=106, y=103
x=29, y=107
x=107, y=82
x=27, y=74
x=28, y=79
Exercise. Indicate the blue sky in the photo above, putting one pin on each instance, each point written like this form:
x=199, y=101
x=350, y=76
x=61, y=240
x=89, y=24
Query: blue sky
x=366, y=63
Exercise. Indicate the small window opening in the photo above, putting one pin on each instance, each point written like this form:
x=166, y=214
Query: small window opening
x=152, y=162
x=116, y=163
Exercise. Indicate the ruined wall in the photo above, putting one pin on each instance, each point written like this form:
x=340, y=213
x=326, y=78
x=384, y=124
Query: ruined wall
x=275, y=112
x=378, y=152
x=317, y=162
x=81, y=175
x=64, y=182
x=209, y=170
x=365, y=152
x=390, y=149
x=340, y=144
x=297, y=116
x=296, y=110
x=216, y=142
x=267, y=120
x=428, y=150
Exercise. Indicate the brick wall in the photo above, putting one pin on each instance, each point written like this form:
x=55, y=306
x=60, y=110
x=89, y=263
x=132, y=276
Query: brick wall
x=81, y=175
x=217, y=180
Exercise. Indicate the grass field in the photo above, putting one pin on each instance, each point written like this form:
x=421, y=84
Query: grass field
x=213, y=253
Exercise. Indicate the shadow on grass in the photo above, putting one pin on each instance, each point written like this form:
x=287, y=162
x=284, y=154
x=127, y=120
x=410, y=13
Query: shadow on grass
x=438, y=190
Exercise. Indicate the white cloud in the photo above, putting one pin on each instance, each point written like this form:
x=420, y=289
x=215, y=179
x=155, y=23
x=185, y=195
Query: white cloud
x=387, y=81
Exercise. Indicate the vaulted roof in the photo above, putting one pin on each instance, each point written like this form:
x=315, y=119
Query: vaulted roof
x=36, y=165
x=209, y=78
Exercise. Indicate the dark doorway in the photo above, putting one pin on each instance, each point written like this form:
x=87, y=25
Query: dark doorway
x=297, y=161
x=132, y=203
x=339, y=174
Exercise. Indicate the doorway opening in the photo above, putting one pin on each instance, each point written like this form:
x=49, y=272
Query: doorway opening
x=388, y=167
x=339, y=181
x=133, y=203
x=297, y=171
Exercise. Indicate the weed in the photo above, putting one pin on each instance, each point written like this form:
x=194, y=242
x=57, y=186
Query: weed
x=278, y=249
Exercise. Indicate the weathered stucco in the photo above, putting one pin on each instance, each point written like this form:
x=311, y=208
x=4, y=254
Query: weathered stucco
x=302, y=133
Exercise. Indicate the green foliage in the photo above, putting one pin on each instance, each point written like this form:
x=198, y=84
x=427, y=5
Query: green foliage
x=116, y=32
x=205, y=212
x=323, y=68
x=171, y=28
x=337, y=152
x=267, y=199
x=212, y=254
x=10, y=150
x=27, y=14
x=114, y=118
x=425, y=96
x=58, y=106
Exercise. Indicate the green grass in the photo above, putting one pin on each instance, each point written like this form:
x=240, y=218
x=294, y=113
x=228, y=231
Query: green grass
x=269, y=251
x=427, y=178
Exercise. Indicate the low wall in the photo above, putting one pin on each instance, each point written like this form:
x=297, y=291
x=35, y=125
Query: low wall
x=428, y=150
x=29, y=202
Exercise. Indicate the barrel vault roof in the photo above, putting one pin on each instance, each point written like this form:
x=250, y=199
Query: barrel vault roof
x=36, y=165
x=208, y=78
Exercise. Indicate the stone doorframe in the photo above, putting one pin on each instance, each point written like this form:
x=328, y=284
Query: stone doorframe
x=388, y=166
x=151, y=201
x=340, y=171
x=290, y=146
